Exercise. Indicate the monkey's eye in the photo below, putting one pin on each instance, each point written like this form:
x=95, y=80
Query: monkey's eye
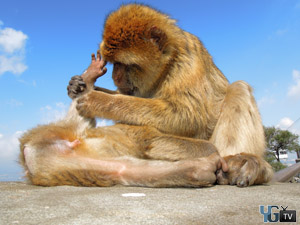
x=135, y=67
x=117, y=64
x=132, y=68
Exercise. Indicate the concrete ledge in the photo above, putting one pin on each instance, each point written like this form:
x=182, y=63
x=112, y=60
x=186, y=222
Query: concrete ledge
x=26, y=204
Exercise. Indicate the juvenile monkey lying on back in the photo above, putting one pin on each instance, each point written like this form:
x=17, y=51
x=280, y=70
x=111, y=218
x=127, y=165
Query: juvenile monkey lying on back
x=74, y=152
x=167, y=80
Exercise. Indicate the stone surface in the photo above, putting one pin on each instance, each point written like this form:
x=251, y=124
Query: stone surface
x=26, y=204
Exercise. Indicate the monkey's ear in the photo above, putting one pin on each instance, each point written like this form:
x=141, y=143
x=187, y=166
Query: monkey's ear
x=158, y=37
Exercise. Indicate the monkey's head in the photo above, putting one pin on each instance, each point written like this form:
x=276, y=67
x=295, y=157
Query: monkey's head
x=138, y=41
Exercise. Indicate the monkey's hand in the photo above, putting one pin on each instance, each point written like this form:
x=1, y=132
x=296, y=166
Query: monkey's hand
x=79, y=84
x=93, y=103
x=95, y=70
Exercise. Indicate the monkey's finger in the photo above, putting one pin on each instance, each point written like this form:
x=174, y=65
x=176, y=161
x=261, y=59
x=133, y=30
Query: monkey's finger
x=223, y=165
x=93, y=57
x=98, y=55
x=77, y=83
x=75, y=79
x=78, y=88
x=71, y=94
x=103, y=63
x=104, y=70
x=100, y=74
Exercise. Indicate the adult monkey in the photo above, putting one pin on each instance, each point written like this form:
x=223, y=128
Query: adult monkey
x=167, y=80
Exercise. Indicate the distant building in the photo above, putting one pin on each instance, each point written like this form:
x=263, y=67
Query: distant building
x=282, y=154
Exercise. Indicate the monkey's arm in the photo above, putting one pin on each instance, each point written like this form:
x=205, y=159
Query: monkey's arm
x=156, y=113
x=81, y=84
x=106, y=90
x=77, y=87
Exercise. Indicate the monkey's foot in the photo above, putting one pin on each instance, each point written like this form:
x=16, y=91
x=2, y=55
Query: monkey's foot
x=203, y=170
x=245, y=170
x=76, y=87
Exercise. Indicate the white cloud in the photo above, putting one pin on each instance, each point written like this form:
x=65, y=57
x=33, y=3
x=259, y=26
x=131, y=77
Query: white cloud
x=12, y=50
x=9, y=155
x=12, y=40
x=14, y=64
x=285, y=123
x=50, y=113
x=33, y=83
x=14, y=103
x=265, y=101
x=9, y=146
x=281, y=32
x=59, y=110
x=294, y=90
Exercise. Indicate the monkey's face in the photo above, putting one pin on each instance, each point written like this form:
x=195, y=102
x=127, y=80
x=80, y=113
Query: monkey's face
x=122, y=76
x=135, y=43
x=136, y=66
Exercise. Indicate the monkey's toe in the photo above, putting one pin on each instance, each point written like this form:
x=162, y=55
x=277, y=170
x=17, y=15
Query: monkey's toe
x=243, y=170
x=222, y=177
x=76, y=87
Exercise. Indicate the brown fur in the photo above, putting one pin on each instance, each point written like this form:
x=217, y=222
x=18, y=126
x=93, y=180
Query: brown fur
x=106, y=156
x=73, y=152
x=177, y=88
x=174, y=104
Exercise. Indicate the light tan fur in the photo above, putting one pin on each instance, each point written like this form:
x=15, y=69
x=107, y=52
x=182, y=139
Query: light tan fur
x=177, y=89
x=172, y=104
x=73, y=151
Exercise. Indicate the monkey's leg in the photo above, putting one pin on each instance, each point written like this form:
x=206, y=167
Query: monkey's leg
x=59, y=164
x=153, y=144
x=239, y=137
x=148, y=142
x=173, y=148
x=63, y=166
x=184, y=173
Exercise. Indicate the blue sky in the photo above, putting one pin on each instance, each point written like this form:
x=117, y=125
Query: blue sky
x=44, y=43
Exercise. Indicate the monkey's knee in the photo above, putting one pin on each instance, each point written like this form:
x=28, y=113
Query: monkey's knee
x=30, y=160
x=35, y=160
x=34, y=164
x=173, y=148
x=39, y=162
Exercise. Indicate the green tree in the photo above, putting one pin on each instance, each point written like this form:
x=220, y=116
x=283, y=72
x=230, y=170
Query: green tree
x=271, y=159
x=278, y=139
